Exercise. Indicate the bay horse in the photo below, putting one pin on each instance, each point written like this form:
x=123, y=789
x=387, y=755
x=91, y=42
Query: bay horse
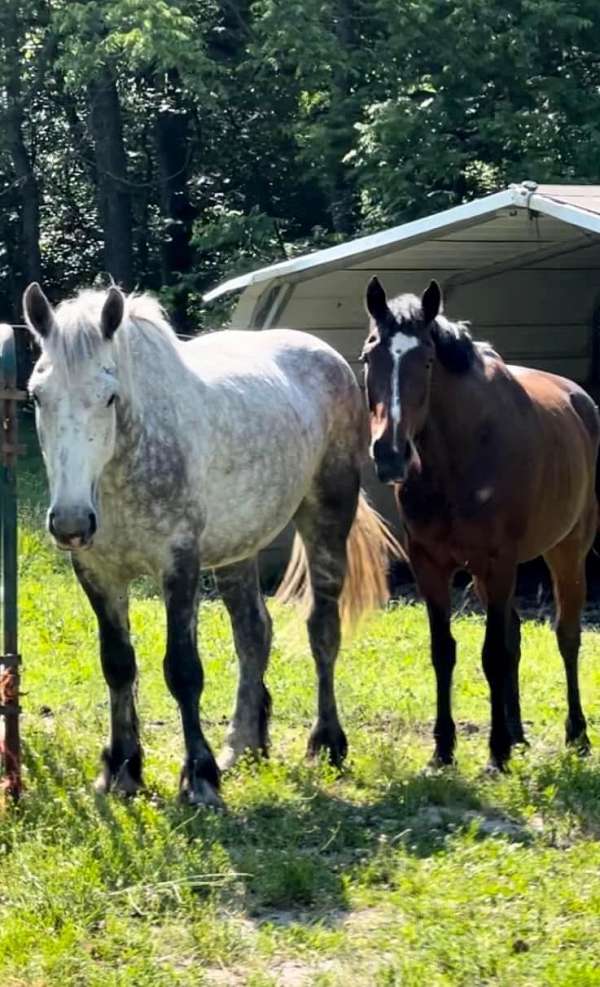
x=491, y=465
x=164, y=457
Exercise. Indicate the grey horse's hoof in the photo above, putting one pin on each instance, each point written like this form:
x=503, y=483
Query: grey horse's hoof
x=199, y=783
x=123, y=779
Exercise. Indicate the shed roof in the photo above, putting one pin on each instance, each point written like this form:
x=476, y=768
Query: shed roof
x=481, y=233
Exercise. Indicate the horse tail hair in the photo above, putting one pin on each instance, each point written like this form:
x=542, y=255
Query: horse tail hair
x=370, y=549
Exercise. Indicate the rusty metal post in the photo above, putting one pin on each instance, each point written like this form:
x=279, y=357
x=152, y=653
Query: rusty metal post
x=10, y=741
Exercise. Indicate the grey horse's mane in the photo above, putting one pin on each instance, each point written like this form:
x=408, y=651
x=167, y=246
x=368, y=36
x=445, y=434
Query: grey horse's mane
x=145, y=334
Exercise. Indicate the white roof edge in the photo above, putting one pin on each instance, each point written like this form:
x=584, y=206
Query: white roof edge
x=524, y=196
x=574, y=215
x=513, y=196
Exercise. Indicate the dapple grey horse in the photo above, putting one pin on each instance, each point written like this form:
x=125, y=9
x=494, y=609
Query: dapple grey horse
x=164, y=457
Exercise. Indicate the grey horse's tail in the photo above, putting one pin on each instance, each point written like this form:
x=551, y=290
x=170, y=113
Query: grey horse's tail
x=370, y=548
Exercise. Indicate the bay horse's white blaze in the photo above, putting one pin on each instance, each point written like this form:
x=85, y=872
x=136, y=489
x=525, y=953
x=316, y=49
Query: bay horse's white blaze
x=164, y=457
x=400, y=345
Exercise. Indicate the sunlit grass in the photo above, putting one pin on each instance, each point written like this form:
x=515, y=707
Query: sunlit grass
x=385, y=875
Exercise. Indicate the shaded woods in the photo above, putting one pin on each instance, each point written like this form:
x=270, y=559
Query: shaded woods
x=172, y=144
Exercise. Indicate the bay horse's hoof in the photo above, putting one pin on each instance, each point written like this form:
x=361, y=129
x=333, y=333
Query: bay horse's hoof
x=124, y=779
x=494, y=768
x=199, y=783
x=517, y=735
x=440, y=760
x=580, y=744
x=331, y=738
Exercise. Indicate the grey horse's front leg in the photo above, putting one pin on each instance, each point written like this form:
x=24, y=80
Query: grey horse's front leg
x=183, y=674
x=122, y=767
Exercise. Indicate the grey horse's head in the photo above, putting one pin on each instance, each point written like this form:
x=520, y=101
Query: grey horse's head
x=75, y=388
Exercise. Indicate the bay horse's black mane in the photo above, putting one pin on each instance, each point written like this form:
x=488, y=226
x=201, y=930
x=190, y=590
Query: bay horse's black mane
x=454, y=345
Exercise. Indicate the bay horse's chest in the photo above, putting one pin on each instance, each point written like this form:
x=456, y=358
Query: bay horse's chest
x=459, y=528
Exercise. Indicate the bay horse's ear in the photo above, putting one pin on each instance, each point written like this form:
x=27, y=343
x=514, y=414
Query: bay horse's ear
x=376, y=300
x=112, y=312
x=38, y=311
x=431, y=302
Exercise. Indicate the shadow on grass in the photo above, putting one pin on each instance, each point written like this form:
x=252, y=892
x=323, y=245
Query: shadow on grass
x=293, y=848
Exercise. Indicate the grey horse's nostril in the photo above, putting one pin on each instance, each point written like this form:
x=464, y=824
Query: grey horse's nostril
x=93, y=524
x=51, y=519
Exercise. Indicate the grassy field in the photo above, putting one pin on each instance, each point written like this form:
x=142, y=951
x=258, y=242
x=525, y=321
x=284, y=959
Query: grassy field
x=385, y=875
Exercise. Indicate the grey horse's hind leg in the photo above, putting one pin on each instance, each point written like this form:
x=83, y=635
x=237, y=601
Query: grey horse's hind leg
x=324, y=521
x=184, y=677
x=251, y=623
x=122, y=767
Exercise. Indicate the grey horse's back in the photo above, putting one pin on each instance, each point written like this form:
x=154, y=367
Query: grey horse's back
x=290, y=366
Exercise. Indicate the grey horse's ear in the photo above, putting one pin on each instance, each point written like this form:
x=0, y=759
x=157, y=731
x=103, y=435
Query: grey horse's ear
x=39, y=314
x=431, y=302
x=376, y=300
x=112, y=312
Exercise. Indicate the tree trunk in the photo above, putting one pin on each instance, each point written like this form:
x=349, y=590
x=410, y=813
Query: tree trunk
x=341, y=193
x=172, y=147
x=31, y=260
x=14, y=118
x=114, y=194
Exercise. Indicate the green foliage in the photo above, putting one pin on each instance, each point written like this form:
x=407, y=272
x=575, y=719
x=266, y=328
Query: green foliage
x=304, y=123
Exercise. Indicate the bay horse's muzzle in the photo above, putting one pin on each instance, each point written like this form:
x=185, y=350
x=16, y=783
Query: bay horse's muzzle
x=390, y=465
x=72, y=528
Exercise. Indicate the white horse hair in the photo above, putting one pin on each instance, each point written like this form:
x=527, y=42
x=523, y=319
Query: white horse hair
x=164, y=457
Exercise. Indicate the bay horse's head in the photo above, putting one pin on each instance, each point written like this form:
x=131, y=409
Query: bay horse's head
x=398, y=356
x=75, y=388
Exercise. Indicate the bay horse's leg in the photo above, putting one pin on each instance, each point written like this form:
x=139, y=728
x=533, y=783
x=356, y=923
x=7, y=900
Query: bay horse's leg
x=251, y=623
x=497, y=658
x=122, y=758
x=434, y=585
x=567, y=565
x=513, y=697
x=199, y=782
x=324, y=521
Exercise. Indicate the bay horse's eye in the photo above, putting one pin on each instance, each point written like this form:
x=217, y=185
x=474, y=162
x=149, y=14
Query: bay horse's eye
x=110, y=400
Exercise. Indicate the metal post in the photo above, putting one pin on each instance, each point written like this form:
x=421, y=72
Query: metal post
x=10, y=746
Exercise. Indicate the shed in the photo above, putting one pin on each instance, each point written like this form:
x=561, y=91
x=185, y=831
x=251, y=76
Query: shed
x=522, y=265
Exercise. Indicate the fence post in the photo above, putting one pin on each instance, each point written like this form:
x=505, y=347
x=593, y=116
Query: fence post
x=10, y=745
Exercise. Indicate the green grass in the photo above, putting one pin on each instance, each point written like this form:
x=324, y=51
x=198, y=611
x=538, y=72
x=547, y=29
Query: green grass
x=385, y=875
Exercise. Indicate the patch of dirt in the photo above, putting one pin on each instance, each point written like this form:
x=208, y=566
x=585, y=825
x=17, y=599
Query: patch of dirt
x=225, y=977
x=294, y=973
x=287, y=973
x=488, y=824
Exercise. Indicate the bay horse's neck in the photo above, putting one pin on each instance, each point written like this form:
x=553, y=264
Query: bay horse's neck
x=452, y=420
